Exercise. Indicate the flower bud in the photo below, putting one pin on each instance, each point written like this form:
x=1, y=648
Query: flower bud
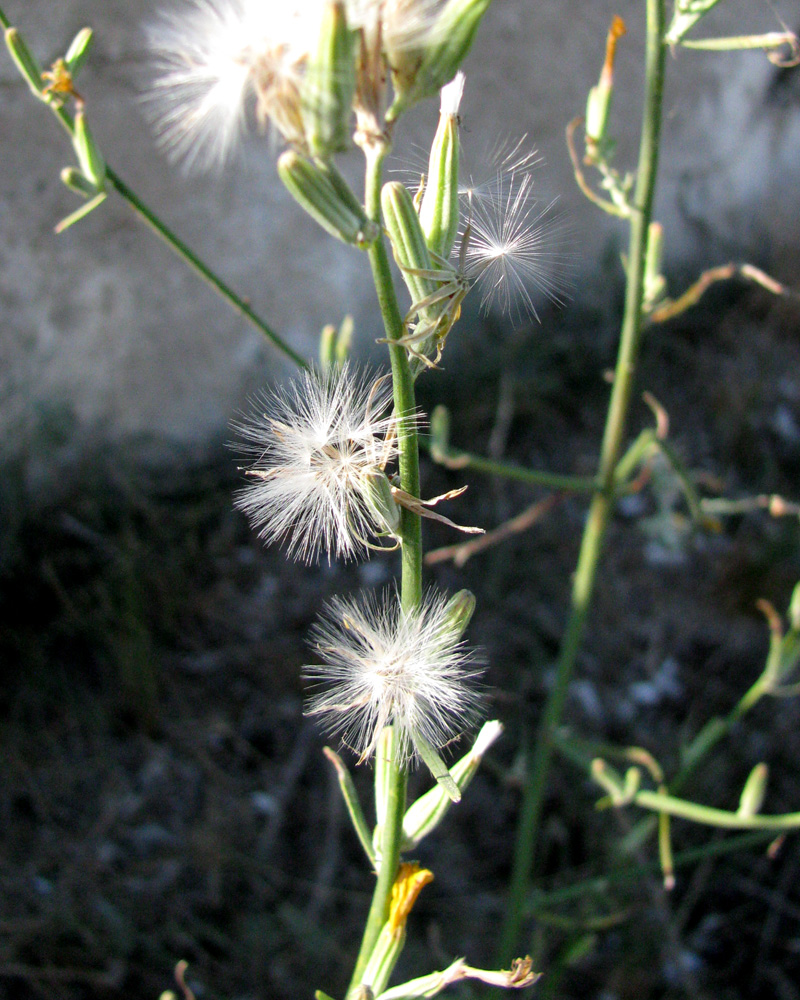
x=25, y=60
x=89, y=156
x=321, y=190
x=655, y=284
x=598, y=104
x=410, y=881
x=794, y=609
x=439, y=432
x=408, y=242
x=439, y=211
x=329, y=84
x=451, y=39
x=382, y=504
x=754, y=791
x=430, y=809
x=78, y=51
x=459, y=611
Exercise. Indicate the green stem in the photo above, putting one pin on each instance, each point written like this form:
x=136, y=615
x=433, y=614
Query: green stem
x=453, y=458
x=715, y=730
x=603, y=501
x=149, y=217
x=411, y=534
x=709, y=816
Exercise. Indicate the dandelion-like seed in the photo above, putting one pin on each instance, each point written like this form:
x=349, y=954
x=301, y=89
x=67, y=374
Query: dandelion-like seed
x=211, y=56
x=513, y=242
x=383, y=665
x=320, y=446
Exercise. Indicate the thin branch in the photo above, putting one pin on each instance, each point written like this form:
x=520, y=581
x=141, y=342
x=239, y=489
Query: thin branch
x=580, y=178
x=724, y=272
x=465, y=550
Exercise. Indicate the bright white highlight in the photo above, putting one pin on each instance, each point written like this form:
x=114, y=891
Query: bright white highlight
x=385, y=666
x=513, y=242
x=211, y=56
x=318, y=445
x=451, y=94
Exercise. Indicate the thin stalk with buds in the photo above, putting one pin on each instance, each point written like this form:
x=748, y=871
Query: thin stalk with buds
x=602, y=505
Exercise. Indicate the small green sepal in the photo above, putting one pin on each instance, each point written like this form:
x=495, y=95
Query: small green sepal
x=25, y=61
x=78, y=51
x=77, y=182
x=754, y=792
x=89, y=156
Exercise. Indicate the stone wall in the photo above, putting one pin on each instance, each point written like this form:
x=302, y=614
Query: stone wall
x=105, y=333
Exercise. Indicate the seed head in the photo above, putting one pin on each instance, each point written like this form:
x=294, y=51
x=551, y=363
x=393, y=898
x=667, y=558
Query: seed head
x=385, y=666
x=318, y=446
x=211, y=56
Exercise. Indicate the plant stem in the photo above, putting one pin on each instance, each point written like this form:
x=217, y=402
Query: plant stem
x=709, y=816
x=148, y=216
x=454, y=458
x=411, y=535
x=602, y=504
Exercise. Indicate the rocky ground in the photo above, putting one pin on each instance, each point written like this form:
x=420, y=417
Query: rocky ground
x=163, y=797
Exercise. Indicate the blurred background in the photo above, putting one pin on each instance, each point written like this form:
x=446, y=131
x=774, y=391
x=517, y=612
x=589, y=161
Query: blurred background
x=162, y=796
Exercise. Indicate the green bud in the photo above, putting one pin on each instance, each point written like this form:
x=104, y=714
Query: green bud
x=459, y=611
x=440, y=432
x=25, y=60
x=439, y=212
x=321, y=190
x=327, y=346
x=382, y=503
x=598, y=104
x=408, y=240
x=794, y=609
x=89, y=156
x=655, y=284
x=78, y=51
x=453, y=35
x=755, y=788
x=329, y=84
x=430, y=809
x=76, y=182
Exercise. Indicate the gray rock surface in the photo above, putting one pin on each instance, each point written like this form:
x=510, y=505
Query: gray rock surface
x=104, y=333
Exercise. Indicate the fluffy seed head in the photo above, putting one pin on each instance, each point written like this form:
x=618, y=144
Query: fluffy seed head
x=385, y=666
x=211, y=56
x=317, y=445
